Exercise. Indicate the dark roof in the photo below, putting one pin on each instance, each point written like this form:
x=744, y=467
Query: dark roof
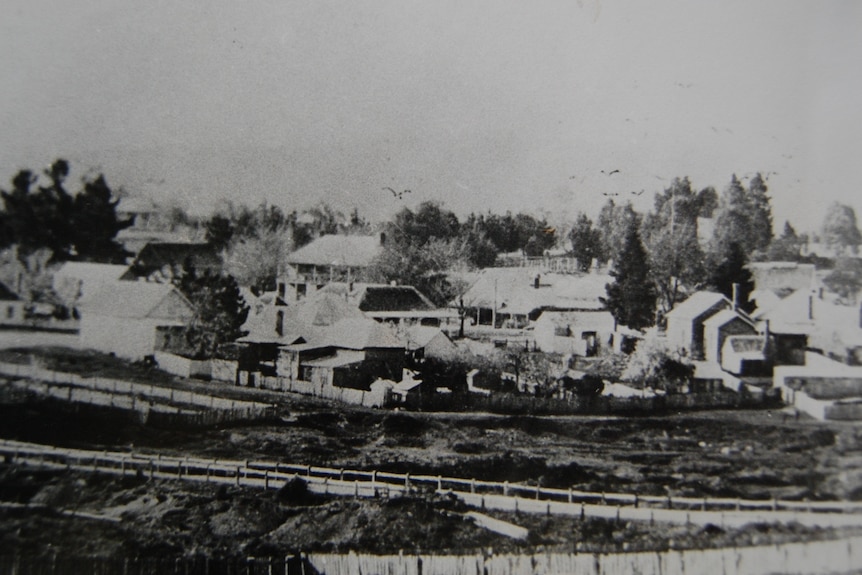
x=744, y=343
x=394, y=298
x=6, y=294
x=156, y=256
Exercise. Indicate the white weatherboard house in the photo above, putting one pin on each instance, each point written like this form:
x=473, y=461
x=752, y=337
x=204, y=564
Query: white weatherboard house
x=581, y=332
x=130, y=319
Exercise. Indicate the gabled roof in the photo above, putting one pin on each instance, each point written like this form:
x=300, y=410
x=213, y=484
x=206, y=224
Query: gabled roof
x=336, y=250
x=514, y=291
x=138, y=300
x=307, y=319
x=725, y=316
x=361, y=333
x=90, y=273
x=697, y=304
x=418, y=336
x=6, y=294
x=378, y=297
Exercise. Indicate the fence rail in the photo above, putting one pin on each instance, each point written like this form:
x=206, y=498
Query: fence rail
x=155, y=405
x=513, y=497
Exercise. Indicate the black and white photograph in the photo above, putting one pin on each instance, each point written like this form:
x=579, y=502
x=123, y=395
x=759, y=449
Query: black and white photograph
x=398, y=287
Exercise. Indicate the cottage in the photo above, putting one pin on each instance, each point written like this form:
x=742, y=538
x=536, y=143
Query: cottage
x=512, y=297
x=12, y=307
x=583, y=333
x=133, y=319
x=685, y=322
x=330, y=258
x=720, y=326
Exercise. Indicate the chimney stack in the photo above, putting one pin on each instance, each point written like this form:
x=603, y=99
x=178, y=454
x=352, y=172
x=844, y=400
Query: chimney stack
x=811, y=307
x=735, y=299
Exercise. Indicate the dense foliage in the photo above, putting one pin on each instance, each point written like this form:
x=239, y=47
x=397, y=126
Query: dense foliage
x=39, y=213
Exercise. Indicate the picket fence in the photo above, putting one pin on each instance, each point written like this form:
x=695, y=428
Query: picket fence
x=479, y=494
x=156, y=405
x=816, y=557
x=811, y=558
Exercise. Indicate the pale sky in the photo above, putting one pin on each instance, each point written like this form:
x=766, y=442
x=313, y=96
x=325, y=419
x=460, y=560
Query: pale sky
x=496, y=104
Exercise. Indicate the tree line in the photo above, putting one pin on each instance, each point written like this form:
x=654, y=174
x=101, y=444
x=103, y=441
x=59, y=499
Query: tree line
x=657, y=258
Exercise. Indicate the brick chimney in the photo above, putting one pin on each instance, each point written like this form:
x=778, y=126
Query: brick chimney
x=735, y=297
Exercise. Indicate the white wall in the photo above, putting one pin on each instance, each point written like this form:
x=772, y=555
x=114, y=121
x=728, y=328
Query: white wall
x=131, y=339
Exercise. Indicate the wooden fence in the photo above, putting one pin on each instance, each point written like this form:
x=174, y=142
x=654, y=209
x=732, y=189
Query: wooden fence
x=814, y=558
x=156, y=405
x=518, y=498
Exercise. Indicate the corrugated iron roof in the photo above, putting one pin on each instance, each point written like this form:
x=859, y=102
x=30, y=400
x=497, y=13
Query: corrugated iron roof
x=697, y=303
x=137, y=300
x=335, y=250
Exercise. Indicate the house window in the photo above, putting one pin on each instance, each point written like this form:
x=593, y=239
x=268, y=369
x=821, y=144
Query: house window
x=10, y=312
x=592, y=340
x=279, y=323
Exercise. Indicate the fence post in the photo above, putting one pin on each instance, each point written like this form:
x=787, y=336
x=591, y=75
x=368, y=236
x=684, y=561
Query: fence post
x=538, y=490
x=472, y=486
x=604, y=500
x=208, y=472
x=266, y=479
x=407, y=481
x=570, y=494
x=238, y=468
x=703, y=505
x=439, y=483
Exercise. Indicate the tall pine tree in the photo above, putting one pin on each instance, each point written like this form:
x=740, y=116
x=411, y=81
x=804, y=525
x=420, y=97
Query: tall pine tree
x=632, y=295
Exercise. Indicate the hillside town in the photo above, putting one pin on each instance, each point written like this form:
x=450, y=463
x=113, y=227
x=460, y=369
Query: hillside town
x=426, y=288
x=319, y=304
x=146, y=320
